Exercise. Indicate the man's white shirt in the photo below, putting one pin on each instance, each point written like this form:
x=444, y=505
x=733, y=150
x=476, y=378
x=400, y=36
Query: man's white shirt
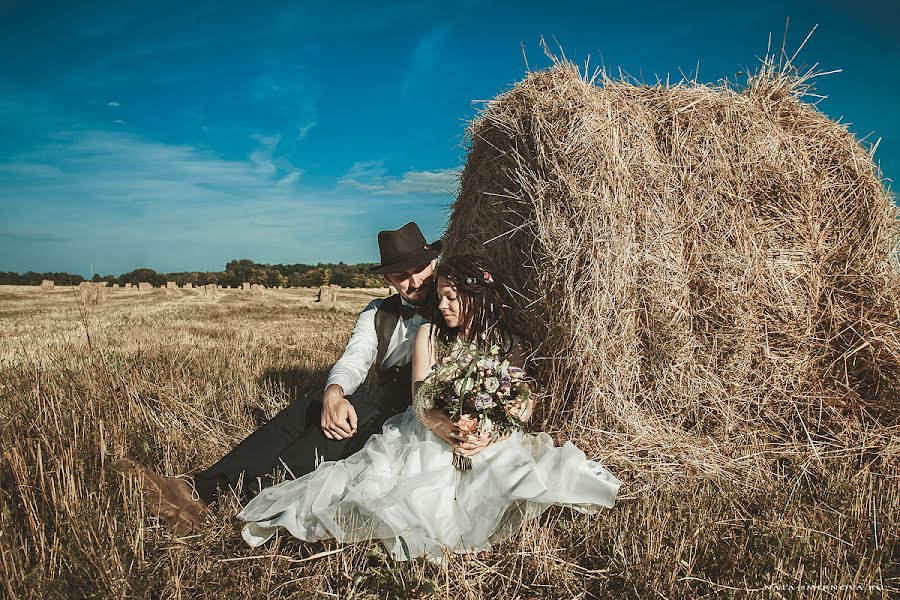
x=353, y=366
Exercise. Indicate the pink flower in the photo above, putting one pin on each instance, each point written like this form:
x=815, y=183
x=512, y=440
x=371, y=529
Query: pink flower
x=467, y=424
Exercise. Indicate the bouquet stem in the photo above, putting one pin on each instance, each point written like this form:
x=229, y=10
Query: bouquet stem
x=462, y=462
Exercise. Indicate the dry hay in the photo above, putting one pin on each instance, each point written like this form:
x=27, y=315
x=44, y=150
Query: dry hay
x=128, y=286
x=171, y=285
x=187, y=286
x=115, y=286
x=47, y=285
x=209, y=289
x=144, y=286
x=257, y=288
x=707, y=271
x=327, y=294
x=245, y=286
x=92, y=293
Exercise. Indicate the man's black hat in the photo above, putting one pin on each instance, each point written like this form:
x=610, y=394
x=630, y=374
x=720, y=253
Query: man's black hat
x=404, y=248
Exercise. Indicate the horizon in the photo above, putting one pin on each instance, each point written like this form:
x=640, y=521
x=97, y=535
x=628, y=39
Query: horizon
x=177, y=138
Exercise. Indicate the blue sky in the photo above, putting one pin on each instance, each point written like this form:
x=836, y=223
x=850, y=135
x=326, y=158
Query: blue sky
x=179, y=135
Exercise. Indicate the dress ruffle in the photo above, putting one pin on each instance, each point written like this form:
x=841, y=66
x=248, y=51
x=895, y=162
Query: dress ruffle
x=403, y=489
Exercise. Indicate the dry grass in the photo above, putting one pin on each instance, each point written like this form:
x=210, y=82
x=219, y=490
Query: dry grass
x=711, y=276
x=177, y=380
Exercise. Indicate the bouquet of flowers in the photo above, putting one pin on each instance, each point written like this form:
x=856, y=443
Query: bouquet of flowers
x=481, y=393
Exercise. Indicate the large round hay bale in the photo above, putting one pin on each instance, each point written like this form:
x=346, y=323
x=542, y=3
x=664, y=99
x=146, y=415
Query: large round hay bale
x=327, y=294
x=92, y=293
x=47, y=285
x=703, y=268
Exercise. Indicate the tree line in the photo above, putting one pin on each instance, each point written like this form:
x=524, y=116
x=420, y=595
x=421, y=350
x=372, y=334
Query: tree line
x=236, y=272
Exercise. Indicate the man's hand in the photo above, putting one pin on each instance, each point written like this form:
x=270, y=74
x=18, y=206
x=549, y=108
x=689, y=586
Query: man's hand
x=338, y=415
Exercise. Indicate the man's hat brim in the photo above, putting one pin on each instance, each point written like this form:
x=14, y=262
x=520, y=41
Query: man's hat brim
x=428, y=254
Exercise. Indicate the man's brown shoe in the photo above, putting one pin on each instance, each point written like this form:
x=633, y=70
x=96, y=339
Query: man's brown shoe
x=169, y=498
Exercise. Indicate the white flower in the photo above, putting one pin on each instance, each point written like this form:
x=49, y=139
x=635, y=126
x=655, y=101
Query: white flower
x=491, y=384
x=461, y=386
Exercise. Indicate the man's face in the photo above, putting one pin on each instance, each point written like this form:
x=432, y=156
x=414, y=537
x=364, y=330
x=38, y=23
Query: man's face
x=414, y=284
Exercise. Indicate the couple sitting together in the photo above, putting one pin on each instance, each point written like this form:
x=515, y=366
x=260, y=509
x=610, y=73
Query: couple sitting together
x=385, y=465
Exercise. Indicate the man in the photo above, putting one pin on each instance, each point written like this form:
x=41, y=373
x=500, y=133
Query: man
x=302, y=435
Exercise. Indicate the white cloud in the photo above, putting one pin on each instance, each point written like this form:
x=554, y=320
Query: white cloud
x=371, y=176
x=303, y=131
x=113, y=103
x=123, y=200
x=291, y=177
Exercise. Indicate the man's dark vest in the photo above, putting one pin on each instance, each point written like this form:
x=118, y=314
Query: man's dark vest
x=396, y=381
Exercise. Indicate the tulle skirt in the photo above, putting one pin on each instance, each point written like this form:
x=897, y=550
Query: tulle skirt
x=403, y=490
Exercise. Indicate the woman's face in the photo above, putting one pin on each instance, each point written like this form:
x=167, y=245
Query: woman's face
x=449, y=302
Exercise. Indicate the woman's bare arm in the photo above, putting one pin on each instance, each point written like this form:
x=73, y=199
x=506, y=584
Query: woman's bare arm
x=423, y=357
x=435, y=418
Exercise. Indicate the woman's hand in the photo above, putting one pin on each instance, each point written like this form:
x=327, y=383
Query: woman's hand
x=438, y=422
x=473, y=444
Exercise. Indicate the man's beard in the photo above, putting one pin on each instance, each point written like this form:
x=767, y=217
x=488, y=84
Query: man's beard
x=424, y=290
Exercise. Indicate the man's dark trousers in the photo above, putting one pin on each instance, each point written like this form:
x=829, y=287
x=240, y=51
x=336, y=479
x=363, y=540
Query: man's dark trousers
x=294, y=439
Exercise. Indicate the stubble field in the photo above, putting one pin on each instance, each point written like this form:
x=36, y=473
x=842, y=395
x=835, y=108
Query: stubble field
x=176, y=379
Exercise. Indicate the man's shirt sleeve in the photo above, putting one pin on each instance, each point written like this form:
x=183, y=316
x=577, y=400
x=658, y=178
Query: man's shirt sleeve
x=352, y=367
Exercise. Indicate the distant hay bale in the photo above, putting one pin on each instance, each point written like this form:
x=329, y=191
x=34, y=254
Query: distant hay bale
x=115, y=285
x=245, y=286
x=145, y=286
x=706, y=267
x=257, y=288
x=209, y=289
x=47, y=285
x=171, y=285
x=327, y=294
x=92, y=293
x=128, y=286
x=188, y=286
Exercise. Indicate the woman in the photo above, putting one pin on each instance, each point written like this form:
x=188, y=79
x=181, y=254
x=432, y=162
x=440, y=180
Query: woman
x=402, y=487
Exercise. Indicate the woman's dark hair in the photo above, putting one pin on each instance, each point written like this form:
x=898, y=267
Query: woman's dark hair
x=484, y=301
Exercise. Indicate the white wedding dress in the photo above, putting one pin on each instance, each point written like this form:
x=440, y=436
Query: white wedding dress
x=403, y=489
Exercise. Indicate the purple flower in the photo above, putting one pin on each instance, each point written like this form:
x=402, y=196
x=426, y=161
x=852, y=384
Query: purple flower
x=484, y=401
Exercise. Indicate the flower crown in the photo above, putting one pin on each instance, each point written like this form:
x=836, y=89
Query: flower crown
x=486, y=277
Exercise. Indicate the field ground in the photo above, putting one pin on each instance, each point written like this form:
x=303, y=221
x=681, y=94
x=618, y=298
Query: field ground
x=177, y=378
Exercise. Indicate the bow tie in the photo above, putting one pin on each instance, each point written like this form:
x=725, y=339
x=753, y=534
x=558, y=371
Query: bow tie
x=408, y=312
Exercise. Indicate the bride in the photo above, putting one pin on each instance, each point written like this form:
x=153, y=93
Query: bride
x=402, y=487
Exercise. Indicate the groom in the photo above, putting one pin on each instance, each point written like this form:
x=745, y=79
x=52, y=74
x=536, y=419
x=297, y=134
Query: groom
x=304, y=434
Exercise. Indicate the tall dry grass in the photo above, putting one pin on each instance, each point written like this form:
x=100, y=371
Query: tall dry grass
x=177, y=380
